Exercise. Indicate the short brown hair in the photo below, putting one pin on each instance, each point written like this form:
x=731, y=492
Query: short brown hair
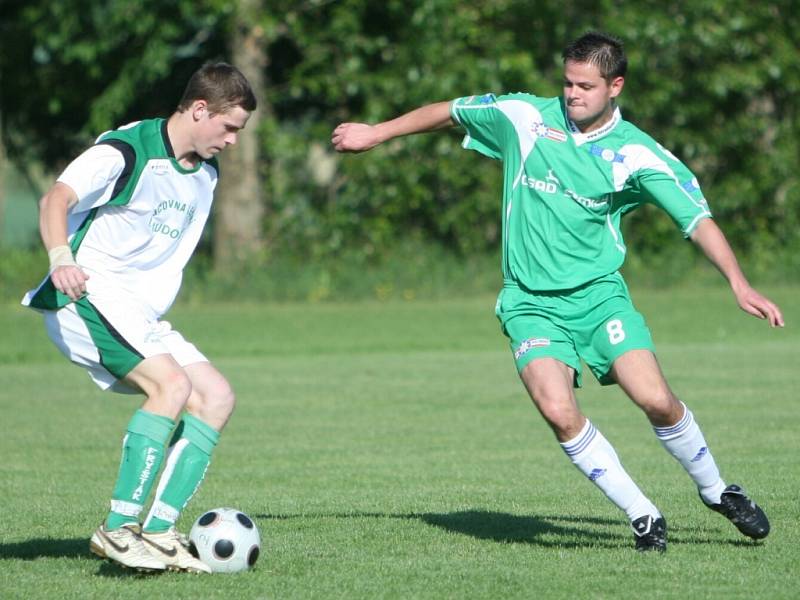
x=602, y=50
x=222, y=86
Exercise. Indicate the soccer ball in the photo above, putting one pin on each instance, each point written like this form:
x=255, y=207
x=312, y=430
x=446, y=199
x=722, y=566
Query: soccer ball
x=226, y=540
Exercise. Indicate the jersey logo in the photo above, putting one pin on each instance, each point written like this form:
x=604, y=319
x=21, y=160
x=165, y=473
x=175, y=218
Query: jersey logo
x=171, y=218
x=160, y=166
x=549, y=186
x=691, y=186
x=607, y=154
x=552, y=177
x=530, y=343
x=552, y=184
x=539, y=129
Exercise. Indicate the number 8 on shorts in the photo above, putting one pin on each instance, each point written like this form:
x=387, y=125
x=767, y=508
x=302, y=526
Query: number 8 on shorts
x=615, y=332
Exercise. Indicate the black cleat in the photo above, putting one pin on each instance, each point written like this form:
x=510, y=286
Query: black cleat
x=742, y=512
x=650, y=533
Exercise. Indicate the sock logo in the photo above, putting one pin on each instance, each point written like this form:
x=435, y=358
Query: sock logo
x=700, y=454
x=149, y=461
x=596, y=474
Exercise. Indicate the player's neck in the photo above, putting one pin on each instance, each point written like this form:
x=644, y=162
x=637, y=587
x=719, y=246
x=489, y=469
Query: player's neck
x=182, y=146
x=598, y=122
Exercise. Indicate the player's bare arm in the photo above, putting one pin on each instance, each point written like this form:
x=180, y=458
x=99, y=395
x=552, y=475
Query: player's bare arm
x=709, y=237
x=360, y=137
x=67, y=276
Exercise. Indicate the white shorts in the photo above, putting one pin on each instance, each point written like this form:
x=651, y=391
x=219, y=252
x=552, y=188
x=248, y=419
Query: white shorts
x=109, y=338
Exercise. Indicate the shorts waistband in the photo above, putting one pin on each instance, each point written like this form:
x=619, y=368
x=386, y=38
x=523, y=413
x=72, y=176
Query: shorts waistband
x=512, y=284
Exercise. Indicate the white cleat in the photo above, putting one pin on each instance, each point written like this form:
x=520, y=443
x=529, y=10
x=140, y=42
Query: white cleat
x=124, y=546
x=168, y=547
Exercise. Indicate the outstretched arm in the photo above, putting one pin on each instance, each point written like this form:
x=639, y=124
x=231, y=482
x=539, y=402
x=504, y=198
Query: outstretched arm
x=359, y=137
x=67, y=276
x=712, y=242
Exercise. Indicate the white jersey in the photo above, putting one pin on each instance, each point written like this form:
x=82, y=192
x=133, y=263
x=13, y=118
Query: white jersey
x=138, y=218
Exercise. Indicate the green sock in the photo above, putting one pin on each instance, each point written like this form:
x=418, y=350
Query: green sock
x=189, y=455
x=142, y=453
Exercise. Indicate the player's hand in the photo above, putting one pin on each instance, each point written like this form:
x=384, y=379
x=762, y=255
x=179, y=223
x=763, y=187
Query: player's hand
x=750, y=301
x=355, y=137
x=69, y=280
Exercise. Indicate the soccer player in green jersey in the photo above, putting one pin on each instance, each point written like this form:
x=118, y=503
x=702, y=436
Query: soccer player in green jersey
x=120, y=224
x=572, y=166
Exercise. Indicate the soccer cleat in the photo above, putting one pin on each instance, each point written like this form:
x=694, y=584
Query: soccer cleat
x=650, y=533
x=742, y=512
x=124, y=546
x=168, y=547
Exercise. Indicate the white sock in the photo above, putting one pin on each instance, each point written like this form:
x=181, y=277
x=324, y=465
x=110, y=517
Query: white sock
x=595, y=458
x=685, y=441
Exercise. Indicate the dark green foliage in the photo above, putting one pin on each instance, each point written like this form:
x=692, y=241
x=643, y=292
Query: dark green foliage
x=714, y=81
x=73, y=69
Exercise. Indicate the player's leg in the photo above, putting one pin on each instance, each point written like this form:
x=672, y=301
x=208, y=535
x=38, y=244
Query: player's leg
x=550, y=368
x=88, y=338
x=167, y=389
x=143, y=450
x=640, y=376
x=617, y=345
x=550, y=385
x=208, y=409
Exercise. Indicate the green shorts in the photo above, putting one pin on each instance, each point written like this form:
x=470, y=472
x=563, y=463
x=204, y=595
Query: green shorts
x=595, y=322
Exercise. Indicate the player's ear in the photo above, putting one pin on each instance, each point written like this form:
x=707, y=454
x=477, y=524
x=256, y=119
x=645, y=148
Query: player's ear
x=199, y=108
x=616, y=86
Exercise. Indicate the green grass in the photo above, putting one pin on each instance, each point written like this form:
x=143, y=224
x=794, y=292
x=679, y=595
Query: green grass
x=387, y=450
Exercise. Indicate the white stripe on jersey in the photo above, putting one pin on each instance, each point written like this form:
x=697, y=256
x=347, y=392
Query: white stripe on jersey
x=522, y=116
x=638, y=158
x=614, y=233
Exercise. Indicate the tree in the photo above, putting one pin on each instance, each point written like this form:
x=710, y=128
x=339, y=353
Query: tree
x=239, y=207
x=75, y=68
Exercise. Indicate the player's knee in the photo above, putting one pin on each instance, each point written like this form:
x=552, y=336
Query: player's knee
x=560, y=413
x=216, y=401
x=166, y=394
x=225, y=399
x=175, y=389
x=662, y=406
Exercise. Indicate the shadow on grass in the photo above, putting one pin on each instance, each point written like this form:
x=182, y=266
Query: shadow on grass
x=540, y=530
x=45, y=548
x=68, y=548
x=113, y=570
x=549, y=531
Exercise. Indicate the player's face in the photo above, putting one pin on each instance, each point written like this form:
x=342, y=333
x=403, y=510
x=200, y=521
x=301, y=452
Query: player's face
x=588, y=95
x=214, y=132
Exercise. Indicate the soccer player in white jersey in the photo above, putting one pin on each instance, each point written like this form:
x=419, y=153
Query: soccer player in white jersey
x=572, y=167
x=119, y=225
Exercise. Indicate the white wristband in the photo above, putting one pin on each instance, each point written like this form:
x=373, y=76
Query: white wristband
x=61, y=256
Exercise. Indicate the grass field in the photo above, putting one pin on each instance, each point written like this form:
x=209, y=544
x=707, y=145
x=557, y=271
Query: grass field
x=387, y=450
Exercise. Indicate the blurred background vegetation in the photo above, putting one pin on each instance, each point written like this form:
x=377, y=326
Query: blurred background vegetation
x=715, y=81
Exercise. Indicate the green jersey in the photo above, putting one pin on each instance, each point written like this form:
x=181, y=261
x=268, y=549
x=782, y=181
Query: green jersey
x=564, y=192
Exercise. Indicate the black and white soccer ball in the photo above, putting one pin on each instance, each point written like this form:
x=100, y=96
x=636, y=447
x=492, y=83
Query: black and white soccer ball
x=226, y=539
